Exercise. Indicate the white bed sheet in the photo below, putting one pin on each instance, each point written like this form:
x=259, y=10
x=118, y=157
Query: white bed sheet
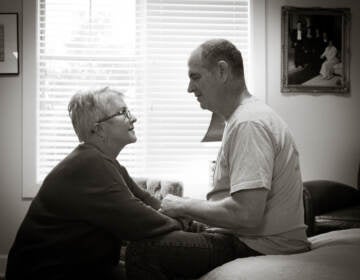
x=334, y=256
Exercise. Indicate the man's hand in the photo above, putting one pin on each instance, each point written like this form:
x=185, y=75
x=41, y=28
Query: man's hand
x=191, y=225
x=185, y=223
x=197, y=227
x=172, y=206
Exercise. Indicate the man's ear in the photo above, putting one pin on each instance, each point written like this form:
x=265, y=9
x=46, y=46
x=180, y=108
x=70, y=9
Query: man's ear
x=223, y=70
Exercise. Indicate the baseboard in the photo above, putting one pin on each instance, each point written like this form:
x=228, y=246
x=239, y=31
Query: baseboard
x=3, y=260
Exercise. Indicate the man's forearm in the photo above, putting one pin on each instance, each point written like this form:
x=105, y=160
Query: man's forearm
x=212, y=213
x=243, y=209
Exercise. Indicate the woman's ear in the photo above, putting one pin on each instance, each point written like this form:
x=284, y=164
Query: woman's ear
x=223, y=70
x=95, y=128
x=98, y=130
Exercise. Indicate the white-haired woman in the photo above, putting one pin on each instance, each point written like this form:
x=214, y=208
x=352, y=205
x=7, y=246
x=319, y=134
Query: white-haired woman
x=88, y=204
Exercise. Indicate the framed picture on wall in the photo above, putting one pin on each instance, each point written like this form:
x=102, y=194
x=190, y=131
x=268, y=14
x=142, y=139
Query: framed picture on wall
x=315, y=46
x=9, y=44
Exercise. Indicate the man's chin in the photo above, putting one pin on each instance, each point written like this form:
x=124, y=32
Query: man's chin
x=203, y=106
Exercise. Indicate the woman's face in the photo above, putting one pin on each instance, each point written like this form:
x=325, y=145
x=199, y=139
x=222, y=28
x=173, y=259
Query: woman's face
x=119, y=130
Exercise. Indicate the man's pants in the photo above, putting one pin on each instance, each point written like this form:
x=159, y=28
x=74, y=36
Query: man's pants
x=181, y=254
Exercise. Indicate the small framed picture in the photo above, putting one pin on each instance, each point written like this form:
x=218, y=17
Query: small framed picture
x=9, y=44
x=315, y=46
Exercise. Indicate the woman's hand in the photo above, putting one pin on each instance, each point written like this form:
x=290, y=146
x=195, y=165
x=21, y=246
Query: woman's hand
x=172, y=206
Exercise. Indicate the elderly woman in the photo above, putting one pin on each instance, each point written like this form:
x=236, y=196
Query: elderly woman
x=88, y=204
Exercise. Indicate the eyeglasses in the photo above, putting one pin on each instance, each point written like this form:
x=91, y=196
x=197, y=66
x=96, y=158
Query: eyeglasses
x=124, y=112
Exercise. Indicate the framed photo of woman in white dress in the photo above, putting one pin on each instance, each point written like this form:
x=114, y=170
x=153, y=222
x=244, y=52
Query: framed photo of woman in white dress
x=315, y=45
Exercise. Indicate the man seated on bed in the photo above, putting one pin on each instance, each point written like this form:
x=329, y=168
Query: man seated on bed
x=255, y=206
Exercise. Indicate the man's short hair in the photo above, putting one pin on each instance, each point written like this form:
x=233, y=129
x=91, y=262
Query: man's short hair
x=220, y=49
x=87, y=107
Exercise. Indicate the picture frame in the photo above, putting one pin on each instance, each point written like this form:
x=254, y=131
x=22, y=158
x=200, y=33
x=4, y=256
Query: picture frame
x=315, y=50
x=9, y=44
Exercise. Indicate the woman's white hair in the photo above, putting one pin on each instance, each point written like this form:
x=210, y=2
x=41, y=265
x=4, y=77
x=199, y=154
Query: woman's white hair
x=88, y=107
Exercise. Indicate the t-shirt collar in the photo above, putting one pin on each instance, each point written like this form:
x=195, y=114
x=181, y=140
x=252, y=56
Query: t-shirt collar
x=238, y=108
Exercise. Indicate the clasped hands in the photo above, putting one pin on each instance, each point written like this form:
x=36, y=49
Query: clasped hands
x=173, y=206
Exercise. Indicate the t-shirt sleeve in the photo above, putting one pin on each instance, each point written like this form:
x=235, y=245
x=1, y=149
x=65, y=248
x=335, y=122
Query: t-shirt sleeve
x=251, y=156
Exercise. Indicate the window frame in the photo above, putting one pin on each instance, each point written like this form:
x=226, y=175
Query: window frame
x=29, y=104
x=257, y=64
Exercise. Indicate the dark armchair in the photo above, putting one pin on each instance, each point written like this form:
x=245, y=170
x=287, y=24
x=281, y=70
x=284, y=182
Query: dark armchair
x=330, y=206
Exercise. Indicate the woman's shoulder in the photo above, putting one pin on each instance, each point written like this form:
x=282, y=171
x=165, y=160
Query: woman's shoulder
x=87, y=158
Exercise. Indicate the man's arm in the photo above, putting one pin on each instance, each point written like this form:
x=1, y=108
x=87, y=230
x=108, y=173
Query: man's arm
x=244, y=209
x=250, y=164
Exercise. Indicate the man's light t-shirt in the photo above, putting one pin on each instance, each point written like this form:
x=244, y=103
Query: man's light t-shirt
x=258, y=151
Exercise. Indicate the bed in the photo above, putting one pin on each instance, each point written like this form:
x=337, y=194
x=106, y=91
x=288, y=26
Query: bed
x=334, y=255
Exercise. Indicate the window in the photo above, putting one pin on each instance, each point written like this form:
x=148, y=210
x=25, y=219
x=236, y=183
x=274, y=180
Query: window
x=139, y=47
x=94, y=47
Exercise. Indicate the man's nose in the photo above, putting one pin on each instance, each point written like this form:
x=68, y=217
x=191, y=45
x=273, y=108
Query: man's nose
x=190, y=88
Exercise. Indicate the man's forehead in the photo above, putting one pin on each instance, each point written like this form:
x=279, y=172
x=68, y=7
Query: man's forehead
x=195, y=56
x=195, y=62
x=194, y=69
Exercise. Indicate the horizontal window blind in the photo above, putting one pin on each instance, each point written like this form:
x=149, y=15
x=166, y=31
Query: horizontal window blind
x=82, y=44
x=140, y=47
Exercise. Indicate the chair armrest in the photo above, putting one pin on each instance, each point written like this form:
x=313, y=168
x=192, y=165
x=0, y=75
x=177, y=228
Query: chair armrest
x=309, y=217
x=328, y=196
x=160, y=188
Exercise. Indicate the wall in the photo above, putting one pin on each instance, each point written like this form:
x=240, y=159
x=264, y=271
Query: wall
x=12, y=208
x=326, y=127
